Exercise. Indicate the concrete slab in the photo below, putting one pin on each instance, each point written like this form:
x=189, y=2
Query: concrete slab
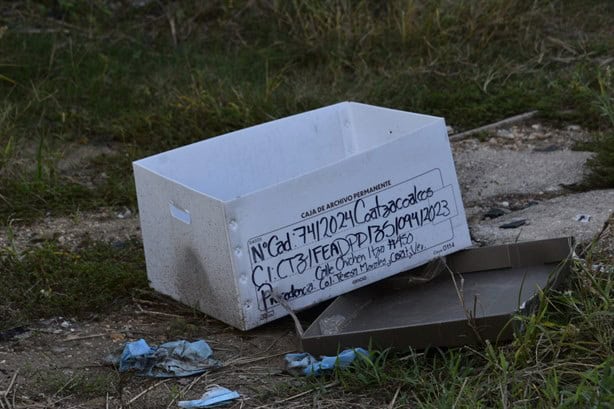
x=549, y=219
x=485, y=173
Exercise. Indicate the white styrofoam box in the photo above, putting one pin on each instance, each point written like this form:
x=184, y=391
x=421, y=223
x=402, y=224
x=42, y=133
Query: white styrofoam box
x=303, y=208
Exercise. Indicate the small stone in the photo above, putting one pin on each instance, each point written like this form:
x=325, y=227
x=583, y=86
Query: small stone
x=493, y=213
x=504, y=133
x=11, y=333
x=536, y=127
x=25, y=335
x=505, y=204
x=65, y=324
x=44, y=236
x=574, y=128
x=125, y=214
x=514, y=224
x=549, y=148
x=528, y=204
x=450, y=130
x=118, y=244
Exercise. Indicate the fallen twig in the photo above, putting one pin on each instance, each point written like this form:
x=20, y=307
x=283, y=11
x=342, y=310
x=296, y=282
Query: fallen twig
x=41, y=31
x=186, y=389
x=460, y=393
x=244, y=361
x=394, y=398
x=171, y=22
x=506, y=121
x=275, y=341
x=72, y=378
x=164, y=314
x=286, y=306
x=147, y=302
x=53, y=403
x=595, y=239
x=412, y=355
x=68, y=339
x=461, y=297
x=298, y=395
x=8, y=390
x=152, y=387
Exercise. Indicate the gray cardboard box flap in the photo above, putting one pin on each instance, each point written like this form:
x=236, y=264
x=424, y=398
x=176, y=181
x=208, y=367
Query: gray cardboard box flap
x=475, y=303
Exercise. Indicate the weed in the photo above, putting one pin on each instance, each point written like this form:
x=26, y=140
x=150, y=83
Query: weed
x=175, y=393
x=85, y=384
x=2, y=77
x=119, y=75
x=182, y=328
x=103, y=182
x=483, y=136
x=50, y=280
x=7, y=139
x=601, y=166
x=562, y=357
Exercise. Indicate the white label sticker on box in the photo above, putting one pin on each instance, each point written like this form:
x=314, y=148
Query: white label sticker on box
x=351, y=237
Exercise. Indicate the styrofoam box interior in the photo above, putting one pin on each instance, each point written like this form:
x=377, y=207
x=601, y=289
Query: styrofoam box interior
x=201, y=204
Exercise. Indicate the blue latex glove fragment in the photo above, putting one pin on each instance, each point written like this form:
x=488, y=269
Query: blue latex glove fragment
x=305, y=364
x=215, y=396
x=172, y=359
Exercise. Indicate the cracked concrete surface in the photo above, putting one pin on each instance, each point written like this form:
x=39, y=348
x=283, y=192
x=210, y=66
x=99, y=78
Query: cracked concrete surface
x=527, y=181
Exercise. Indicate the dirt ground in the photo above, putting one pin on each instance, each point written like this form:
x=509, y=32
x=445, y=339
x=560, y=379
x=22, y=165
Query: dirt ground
x=55, y=356
x=60, y=363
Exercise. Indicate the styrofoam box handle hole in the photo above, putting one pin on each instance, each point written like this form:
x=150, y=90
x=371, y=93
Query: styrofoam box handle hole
x=180, y=214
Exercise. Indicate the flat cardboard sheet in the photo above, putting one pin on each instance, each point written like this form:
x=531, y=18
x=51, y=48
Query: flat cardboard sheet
x=472, y=299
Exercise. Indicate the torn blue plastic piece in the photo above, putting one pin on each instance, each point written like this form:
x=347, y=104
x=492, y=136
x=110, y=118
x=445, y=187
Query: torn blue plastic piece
x=305, y=364
x=215, y=396
x=172, y=359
